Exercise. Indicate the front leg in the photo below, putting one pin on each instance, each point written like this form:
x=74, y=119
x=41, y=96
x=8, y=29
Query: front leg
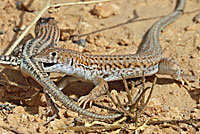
x=96, y=92
x=100, y=89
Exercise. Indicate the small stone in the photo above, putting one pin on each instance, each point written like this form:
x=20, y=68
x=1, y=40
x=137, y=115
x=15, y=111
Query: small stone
x=56, y=124
x=193, y=115
x=124, y=42
x=198, y=106
x=80, y=42
x=41, y=129
x=66, y=34
x=18, y=29
x=18, y=109
x=190, y=28
x=105, y=10
x=184, y=126
x=183, y=132
x=90, y=39
x=194, y=55
x=70, y=113
x=101, y=42
x=24, y=117
x=154, y=102
x=196, y=18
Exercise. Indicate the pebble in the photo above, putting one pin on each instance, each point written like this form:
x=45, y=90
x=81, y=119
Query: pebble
x=124, y=42
x=193, y=116
x=81, y=42
x=90, y=39
x=190, y=28
x=198, y=48
x=196, y=18
x=198, y=106
x=183, y=126
x=183, y=132
x=18, y=29
x=101, y=42
x=56, y=124
x=105, y=10
x=194, y=55
x=65, y=34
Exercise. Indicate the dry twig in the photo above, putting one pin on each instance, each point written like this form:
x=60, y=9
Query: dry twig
x=130, y=101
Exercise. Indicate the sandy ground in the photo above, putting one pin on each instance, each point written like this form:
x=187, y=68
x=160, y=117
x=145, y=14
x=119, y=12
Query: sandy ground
x=173, y=108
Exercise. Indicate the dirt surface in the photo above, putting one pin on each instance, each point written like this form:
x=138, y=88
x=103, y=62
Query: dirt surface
x=172, y=108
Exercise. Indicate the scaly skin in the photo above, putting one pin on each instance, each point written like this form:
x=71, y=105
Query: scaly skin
x=47, y=36
x=101, y=68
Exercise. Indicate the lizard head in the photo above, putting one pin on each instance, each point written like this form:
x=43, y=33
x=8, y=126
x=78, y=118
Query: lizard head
x=54, y=55
x=45, y=26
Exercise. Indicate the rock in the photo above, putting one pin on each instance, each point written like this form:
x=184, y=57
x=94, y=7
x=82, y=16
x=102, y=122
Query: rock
x=105, y=10
x=124, y=42
x=65, y=34
x=190, y=28
x=196, y=18
x=198, y=106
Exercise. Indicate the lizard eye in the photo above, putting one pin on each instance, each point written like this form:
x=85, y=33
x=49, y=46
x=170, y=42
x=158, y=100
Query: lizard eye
x=53, y=54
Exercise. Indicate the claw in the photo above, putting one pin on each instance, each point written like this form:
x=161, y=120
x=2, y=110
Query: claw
x=188, y=83
x=182, y=82
x=91, y=103
x=96, y=92
x=84, y=100
x=187, y=78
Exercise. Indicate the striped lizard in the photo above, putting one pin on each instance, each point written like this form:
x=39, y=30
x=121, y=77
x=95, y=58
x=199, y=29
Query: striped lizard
x=102, y=68
x=47, y=35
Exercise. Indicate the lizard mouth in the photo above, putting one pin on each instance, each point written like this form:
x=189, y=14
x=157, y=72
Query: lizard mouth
x=48, y=64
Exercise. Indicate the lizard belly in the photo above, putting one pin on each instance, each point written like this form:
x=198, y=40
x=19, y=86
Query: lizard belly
x=110, y=75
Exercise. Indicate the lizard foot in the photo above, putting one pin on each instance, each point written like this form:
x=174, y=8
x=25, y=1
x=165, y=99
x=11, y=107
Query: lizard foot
x=84, y=100
x=96, y=92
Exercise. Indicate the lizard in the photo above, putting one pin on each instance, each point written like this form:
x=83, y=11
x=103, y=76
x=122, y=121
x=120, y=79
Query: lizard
x=47, y=35
x=102, y=68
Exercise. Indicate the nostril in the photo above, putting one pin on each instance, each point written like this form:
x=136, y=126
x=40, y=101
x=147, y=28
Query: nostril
x=53, y=54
